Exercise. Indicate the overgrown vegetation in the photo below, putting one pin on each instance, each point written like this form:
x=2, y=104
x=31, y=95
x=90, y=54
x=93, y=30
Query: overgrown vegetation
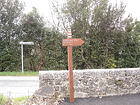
x=13, y=101
x=20, y=100
x=110, y=40
x=3, y=100
x=19, y=73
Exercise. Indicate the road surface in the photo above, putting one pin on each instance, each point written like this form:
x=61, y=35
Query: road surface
x=112, y=100
x=14, y=86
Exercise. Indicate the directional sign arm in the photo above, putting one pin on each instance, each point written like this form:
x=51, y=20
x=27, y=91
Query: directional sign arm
x=72, y=42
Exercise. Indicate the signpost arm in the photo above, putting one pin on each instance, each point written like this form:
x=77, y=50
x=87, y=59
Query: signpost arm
x=70, y=66
x=22, y=57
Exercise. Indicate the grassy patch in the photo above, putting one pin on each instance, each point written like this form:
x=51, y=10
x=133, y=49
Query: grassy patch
x=19, y=74
x=3, y=100
x=15, y=101
x=20, y=100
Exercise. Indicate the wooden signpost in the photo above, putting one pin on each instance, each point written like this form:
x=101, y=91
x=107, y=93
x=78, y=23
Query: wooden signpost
x=69, y=42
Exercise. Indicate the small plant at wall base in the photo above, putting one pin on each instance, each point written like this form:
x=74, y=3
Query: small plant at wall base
x=117, y=82
x=111, y=63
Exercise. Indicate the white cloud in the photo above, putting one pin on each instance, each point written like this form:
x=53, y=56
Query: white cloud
x=133, y=6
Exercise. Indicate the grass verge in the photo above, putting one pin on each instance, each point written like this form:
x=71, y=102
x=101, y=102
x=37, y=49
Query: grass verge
x=20, y=100
x=13, y=101
x=19, y=74
x=3, y=100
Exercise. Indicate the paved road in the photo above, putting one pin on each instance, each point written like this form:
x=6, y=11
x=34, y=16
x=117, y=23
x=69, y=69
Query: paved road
x=14, y=86
x=114, y=100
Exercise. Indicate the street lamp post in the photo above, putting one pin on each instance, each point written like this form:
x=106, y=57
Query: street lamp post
x=24, y=43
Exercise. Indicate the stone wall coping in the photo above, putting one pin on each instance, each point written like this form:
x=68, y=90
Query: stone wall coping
x=90, y=70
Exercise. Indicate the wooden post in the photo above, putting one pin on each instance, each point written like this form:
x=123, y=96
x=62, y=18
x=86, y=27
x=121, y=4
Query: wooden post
x=70, y=66
x=69, y=42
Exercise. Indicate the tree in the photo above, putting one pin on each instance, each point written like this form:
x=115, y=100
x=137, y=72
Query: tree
x=104, y=31
x=55, y=55
x=130, y=55
x=47, y=51
x=10, y=12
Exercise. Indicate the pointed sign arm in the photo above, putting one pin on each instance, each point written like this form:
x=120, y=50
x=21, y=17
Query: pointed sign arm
x=72, y=42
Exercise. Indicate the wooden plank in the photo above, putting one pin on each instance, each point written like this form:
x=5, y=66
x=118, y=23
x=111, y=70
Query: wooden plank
x=70, y=66
x=72, y=42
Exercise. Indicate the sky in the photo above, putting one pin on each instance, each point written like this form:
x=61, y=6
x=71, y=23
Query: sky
x=44, y=9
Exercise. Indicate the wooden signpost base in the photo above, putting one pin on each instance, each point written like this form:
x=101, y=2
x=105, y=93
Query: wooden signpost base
x=70, y=66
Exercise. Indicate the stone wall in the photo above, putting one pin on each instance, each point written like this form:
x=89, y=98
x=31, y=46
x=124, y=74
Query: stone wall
x=91, y=83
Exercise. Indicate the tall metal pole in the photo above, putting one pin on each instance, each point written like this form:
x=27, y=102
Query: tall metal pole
x=22, y=57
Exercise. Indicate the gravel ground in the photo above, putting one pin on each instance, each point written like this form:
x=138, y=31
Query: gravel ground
x=111, y=100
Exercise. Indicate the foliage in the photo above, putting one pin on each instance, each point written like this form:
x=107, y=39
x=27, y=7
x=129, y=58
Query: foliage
x=55, y=54
x=28, y=73
x=47, y=53
x=3, y=100
x=9, y=29
x=110, y=40
x=13, y=101
x=20, y=100
x=32, y=30
x=130, y=55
